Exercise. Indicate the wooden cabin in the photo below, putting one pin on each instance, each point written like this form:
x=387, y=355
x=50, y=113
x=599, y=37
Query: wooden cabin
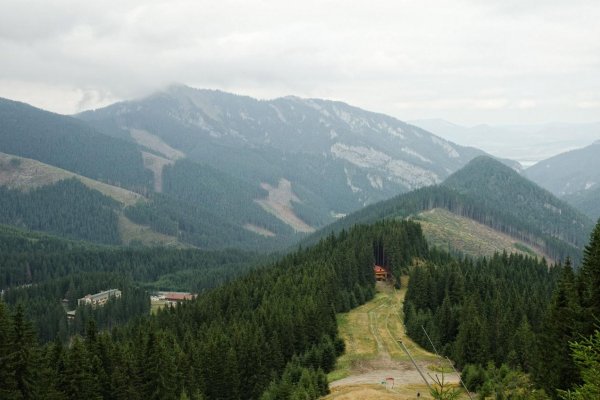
x=382, y=273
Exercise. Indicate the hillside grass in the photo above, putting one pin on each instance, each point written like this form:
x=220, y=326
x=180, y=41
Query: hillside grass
x=371, y=333
x=451, y=232
x=26, y=174
x=372, y=330
x=132, y=233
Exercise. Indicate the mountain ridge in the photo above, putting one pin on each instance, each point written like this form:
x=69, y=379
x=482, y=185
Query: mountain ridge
x=65, y=148
x=364, y=156
x=574, y=176
x=559, y=241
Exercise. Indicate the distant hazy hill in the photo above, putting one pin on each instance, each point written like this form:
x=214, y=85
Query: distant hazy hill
x=333, y=158
x=574, y=176
x=587, y=201
x=488, y=192
x=570, y=172
x=526, y=143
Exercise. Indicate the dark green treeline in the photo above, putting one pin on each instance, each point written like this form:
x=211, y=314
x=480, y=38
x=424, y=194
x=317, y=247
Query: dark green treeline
x=67, y=208
x=472, y=309
x=270, y=334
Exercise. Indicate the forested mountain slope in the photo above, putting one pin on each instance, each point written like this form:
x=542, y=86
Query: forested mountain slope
x=210, y=209
x=42, y=197
x=570, y=172
x=587, y=201
x=335, y=157
x=495, y=195
x=497, y=187
x=70, y=144
x=574, y=176
x=197, y=205
x=67, y=208
x=25, y=174
x=503, y=316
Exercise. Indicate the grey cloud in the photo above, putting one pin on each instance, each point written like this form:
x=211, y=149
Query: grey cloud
x=412, y=59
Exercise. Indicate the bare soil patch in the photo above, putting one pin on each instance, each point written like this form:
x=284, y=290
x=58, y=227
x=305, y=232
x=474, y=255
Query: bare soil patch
x=155, y=143
x=259, y=230
x=279, y=203
x=156, y=164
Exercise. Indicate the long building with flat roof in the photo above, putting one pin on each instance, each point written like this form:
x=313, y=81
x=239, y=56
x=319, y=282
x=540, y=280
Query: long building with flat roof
x=99, y=299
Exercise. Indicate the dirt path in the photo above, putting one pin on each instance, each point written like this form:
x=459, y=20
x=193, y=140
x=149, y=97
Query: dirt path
x=371, y=333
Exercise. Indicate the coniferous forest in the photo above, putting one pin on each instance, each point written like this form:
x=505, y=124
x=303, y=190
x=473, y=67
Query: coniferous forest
x=322, y=200
x=272, y=333
x=500, y=317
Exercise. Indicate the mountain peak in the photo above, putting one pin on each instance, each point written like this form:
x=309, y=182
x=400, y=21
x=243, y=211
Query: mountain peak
x=486, y=161
x=481, y=172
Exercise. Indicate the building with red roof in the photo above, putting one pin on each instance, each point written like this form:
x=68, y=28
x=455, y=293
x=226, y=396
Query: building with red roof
x=381, y=273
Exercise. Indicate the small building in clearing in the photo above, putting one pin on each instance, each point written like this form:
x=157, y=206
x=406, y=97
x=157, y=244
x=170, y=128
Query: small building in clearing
x=99, y=299
x=381, y=273
x=178, y=296
x=171, y=298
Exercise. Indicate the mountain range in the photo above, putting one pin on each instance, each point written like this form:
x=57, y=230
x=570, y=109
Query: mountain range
x=490, y=194
x=212, y=170
x=94, y=201
x=209, y=169
x=362, y=156
x=574, y=176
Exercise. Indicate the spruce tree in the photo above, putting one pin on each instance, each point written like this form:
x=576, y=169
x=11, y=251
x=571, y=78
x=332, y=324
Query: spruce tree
x=78, y=380
x=25, y=356
x=590, y=281
x=555, y=368
x=8, y=384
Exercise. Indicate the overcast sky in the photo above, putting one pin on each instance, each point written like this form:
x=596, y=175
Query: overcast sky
x=470, y=62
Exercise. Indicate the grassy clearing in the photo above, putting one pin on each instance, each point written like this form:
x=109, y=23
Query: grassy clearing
x=382, y=392
x=449, y=231
x=132, y=232
x=371, y=332
x=396, y=326
x=27, y=174
x=361, y=345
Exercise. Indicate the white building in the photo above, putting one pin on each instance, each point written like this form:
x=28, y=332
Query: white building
x=99, y=299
